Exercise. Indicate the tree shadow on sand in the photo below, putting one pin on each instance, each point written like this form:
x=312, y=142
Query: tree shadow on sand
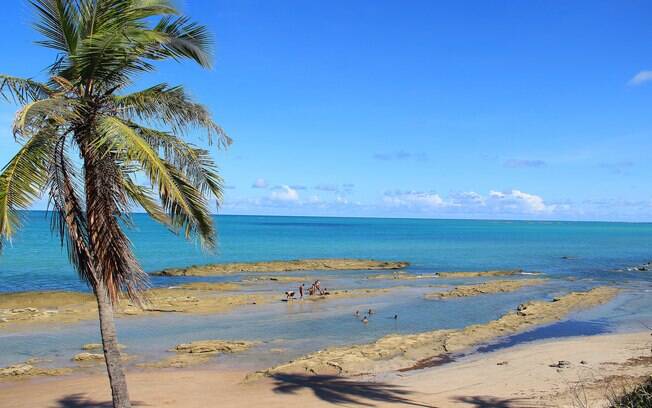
x=494, y=402
x=338, y=390
x=81, y=401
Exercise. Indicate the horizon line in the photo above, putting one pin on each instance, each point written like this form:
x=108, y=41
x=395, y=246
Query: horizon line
x=406, y=218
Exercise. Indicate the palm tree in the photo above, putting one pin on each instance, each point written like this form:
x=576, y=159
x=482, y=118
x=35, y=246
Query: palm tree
x=86, y=142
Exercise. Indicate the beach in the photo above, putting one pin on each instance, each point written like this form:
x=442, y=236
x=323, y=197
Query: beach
x=406, y=326
x=517, y=377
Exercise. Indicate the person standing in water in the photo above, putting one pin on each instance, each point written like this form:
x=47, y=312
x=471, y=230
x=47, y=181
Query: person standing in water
x=301, y=291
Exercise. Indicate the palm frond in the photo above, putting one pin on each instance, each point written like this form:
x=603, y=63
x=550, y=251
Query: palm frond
x=106, y=204
x=68, y=216
x=38, y=114
x=22, y=181
x=21, y=90
x=181, y=38
x=145, y=198
x=197, y=164
x=58, y=22
x=184, y=203
x=170, y=106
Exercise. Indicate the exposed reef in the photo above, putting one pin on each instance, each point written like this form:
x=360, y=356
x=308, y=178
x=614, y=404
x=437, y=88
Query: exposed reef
x=282, y=266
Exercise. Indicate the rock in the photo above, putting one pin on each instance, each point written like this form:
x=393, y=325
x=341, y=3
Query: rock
x=16, y=370
x=88, y=357
x=213, y=346
x=25, y=310
x=98, y=346
x=283, y=266
x=561, y=364
x=521, y=309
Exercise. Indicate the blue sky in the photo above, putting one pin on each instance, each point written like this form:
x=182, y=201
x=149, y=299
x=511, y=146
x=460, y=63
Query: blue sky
x=464, y=109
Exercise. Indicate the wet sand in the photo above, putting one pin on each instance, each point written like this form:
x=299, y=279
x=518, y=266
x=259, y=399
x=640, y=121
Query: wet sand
x=499, y=286
x=19, y=311
x=222, y=269
x=394, y=352
x=521, y=376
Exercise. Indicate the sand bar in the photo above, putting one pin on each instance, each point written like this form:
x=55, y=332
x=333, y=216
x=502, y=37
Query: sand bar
x=18, y=311
x=221, y=269
x=481, y=274
x=498, y=286
x=403, y=351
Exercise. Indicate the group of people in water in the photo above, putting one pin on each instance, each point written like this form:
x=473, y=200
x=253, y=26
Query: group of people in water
x=366, y=316
x=314, y=289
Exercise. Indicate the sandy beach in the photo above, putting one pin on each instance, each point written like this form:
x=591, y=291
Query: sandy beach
x=522, y=376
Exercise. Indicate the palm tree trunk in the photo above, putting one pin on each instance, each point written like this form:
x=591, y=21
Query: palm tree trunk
x=117, y=378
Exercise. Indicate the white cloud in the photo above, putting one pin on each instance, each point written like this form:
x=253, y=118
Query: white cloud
x=519, y=201
x=284, y=194
x=414, y=199
x=640, y=78
x=496, y=202
x=260, y=183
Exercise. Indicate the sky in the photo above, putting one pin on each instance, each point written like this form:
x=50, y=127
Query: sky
x=378, y=108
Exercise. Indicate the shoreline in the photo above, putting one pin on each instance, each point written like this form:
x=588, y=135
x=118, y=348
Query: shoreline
x=402, y=351
x=523, y=374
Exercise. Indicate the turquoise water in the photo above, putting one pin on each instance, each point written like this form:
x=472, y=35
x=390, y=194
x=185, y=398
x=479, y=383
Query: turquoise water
x=36, y=261
x=598, y=254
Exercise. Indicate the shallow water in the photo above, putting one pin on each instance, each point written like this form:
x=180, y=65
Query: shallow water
x=287, y=330
x=35, y=260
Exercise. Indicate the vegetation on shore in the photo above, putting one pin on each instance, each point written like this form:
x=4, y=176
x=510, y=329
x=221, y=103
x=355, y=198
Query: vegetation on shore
x=639, y=397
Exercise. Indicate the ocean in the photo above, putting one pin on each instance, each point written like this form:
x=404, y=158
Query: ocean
x=572, y=255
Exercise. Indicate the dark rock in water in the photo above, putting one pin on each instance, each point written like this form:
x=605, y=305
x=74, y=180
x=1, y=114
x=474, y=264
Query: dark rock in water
x=521, y=309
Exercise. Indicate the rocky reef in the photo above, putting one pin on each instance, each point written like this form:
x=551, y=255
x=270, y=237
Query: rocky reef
x=498, y=286
x=398, y=351
x=282, y=266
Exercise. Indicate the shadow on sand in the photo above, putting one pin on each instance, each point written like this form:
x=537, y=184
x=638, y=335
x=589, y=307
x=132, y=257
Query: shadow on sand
x=81, y=401
x=493, y=402
x=338, y=390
